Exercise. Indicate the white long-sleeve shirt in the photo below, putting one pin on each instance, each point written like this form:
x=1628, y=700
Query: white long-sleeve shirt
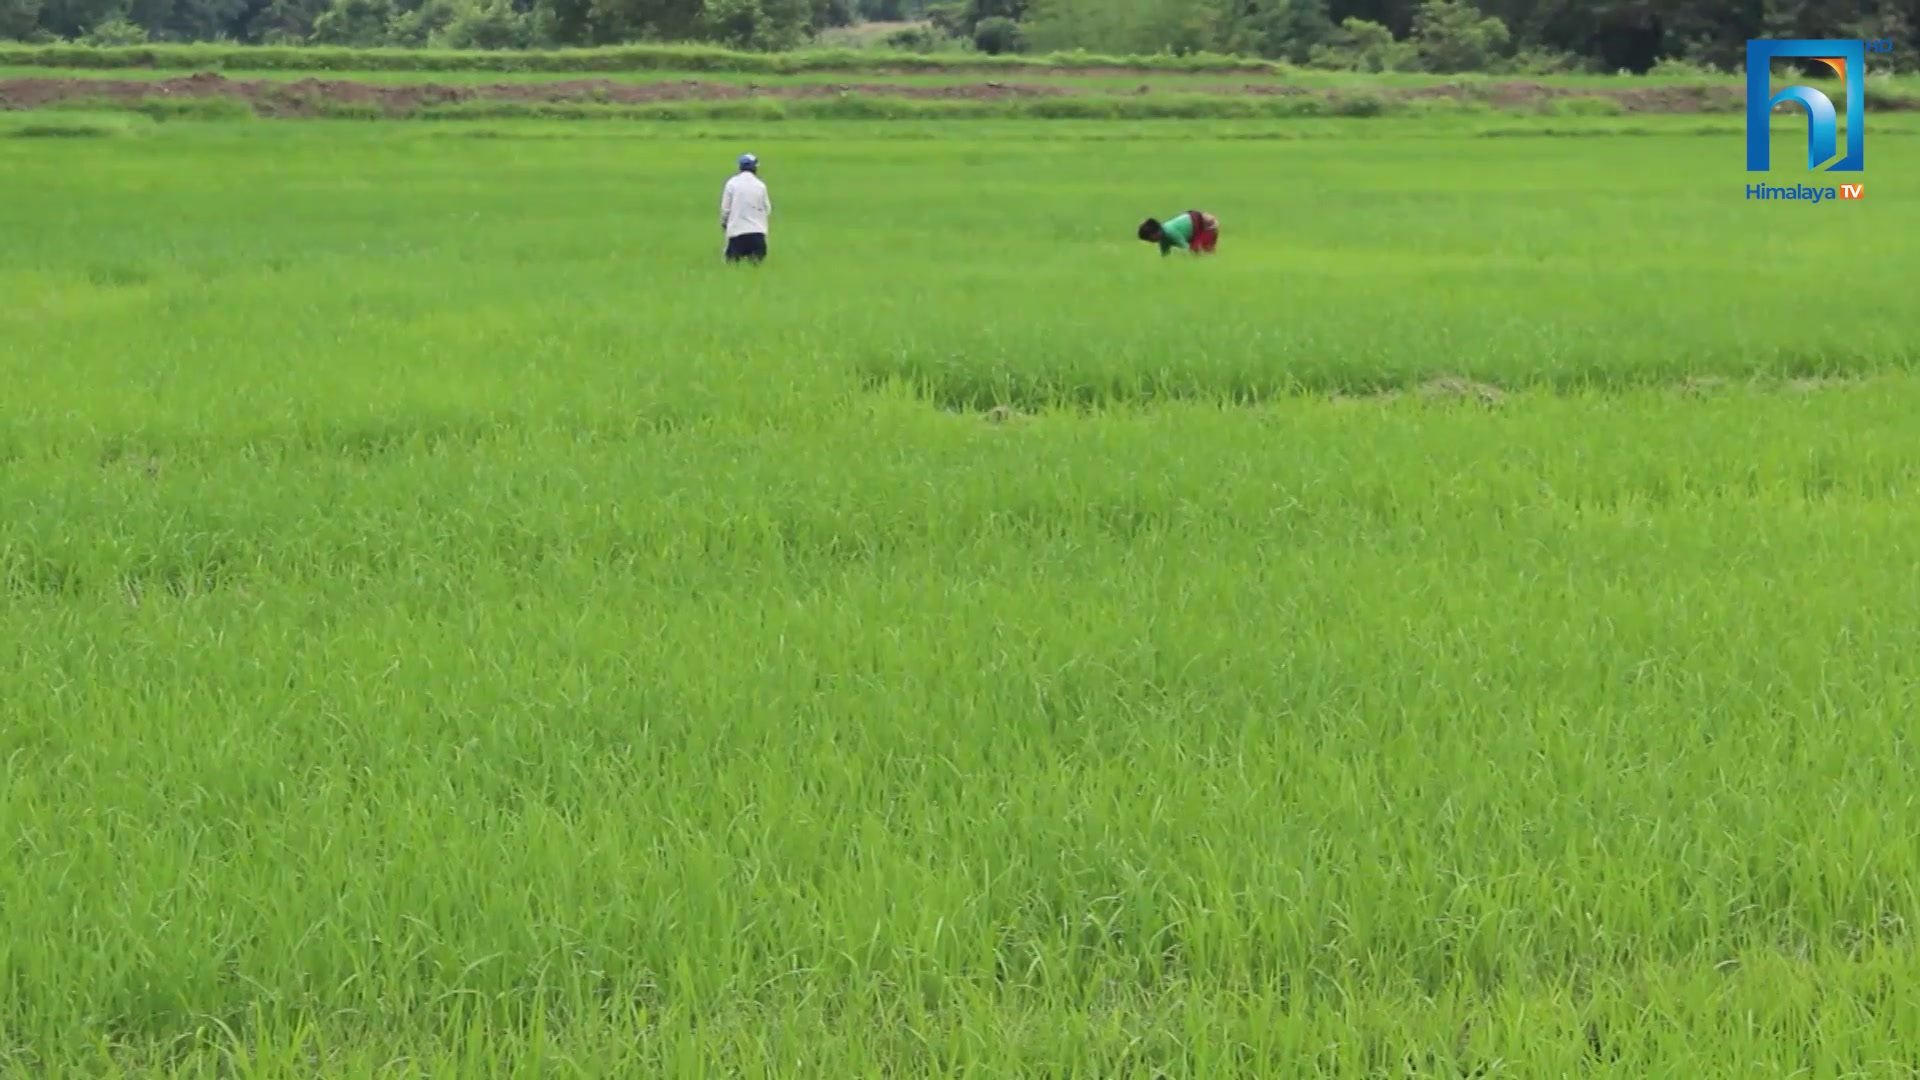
x=745, y=206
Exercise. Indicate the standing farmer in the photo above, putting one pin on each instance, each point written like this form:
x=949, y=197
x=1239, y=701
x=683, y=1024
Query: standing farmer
x=1195, y=231
x=745, y=208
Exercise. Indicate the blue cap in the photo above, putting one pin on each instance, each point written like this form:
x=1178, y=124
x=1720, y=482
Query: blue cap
x=749, y=162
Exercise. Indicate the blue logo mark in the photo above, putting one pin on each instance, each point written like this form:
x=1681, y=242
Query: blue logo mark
x=1848, y=59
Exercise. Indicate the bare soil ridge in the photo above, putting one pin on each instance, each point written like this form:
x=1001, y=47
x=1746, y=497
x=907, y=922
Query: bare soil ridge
x=312, y=97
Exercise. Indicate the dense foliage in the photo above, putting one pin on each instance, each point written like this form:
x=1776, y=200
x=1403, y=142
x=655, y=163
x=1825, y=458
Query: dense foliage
x=1424, y=35
x=1459, y=35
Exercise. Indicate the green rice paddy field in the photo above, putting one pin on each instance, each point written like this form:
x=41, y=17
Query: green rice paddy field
x=454, y=626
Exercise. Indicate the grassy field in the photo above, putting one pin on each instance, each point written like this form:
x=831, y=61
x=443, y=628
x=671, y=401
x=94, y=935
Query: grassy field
x=456, y=627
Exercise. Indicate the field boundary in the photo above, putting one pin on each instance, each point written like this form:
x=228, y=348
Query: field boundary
x=210, y=95
x=676, y=58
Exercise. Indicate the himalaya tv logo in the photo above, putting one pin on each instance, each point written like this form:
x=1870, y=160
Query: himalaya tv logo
x=1848, y=60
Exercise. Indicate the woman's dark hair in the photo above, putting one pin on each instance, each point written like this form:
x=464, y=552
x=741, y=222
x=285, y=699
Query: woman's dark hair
x=1149, y=229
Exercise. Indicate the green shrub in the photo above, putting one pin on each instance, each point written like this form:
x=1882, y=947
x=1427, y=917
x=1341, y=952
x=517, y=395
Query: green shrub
x=1452, y=36
x=998, y=35
x=354, y=22
x=116, y=31
x=414, y=28
x=1359, y=45
x=918, y=39
x=492, y=24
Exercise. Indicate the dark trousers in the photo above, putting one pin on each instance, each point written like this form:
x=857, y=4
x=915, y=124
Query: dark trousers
x=749, y=246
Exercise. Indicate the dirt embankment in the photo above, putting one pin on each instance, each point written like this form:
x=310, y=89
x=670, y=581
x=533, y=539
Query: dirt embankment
x=1522, y=95
x=309, y=97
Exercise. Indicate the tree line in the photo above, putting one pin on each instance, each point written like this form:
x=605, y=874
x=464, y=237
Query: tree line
x=1531, y=36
